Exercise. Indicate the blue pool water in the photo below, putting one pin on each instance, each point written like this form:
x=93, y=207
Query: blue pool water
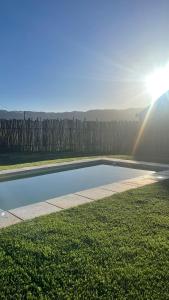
x=26, y=191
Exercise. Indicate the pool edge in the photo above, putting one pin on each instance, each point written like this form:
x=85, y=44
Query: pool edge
x=18, y=215
x=37, y=170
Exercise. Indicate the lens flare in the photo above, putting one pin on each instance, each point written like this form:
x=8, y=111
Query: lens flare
x=157, y=83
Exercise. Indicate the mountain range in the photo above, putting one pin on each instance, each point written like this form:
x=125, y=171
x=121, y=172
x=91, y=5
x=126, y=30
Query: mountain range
x=90, y=115
x=158, y=111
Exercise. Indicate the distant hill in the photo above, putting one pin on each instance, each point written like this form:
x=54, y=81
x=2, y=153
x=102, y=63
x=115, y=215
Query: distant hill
x=90, y=115
x=153, y=144
x=159, y=111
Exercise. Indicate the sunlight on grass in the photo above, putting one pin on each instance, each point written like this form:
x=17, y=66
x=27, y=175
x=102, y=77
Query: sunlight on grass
x=116, y=248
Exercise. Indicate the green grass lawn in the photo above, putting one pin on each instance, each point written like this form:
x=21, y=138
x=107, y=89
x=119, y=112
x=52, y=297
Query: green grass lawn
x=20, y=160
x=116, y=248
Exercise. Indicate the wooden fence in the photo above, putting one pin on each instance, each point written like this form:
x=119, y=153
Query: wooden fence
x=67, y=136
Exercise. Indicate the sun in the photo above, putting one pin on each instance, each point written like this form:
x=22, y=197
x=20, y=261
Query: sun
x=157, y=83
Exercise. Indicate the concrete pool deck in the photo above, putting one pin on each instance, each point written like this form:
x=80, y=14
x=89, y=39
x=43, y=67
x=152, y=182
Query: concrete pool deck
x=57, y=204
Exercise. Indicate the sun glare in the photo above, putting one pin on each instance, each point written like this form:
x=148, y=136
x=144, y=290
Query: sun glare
x=158, y=82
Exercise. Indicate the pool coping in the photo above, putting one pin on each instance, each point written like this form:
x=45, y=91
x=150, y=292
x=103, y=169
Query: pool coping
x=57, y=204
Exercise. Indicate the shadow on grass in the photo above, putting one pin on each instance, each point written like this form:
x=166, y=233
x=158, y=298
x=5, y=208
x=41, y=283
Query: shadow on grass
x=21, y=158
x=163, y=187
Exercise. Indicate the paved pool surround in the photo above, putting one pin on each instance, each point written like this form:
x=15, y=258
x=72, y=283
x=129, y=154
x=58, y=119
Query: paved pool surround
x=57, y=204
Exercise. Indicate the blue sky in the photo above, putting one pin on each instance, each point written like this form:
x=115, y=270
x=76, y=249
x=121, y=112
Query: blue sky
x=79, y=55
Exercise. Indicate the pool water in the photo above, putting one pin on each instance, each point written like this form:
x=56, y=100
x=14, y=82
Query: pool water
x=27, y=191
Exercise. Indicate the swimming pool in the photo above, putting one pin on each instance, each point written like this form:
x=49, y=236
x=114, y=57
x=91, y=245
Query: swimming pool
x=25, y=191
